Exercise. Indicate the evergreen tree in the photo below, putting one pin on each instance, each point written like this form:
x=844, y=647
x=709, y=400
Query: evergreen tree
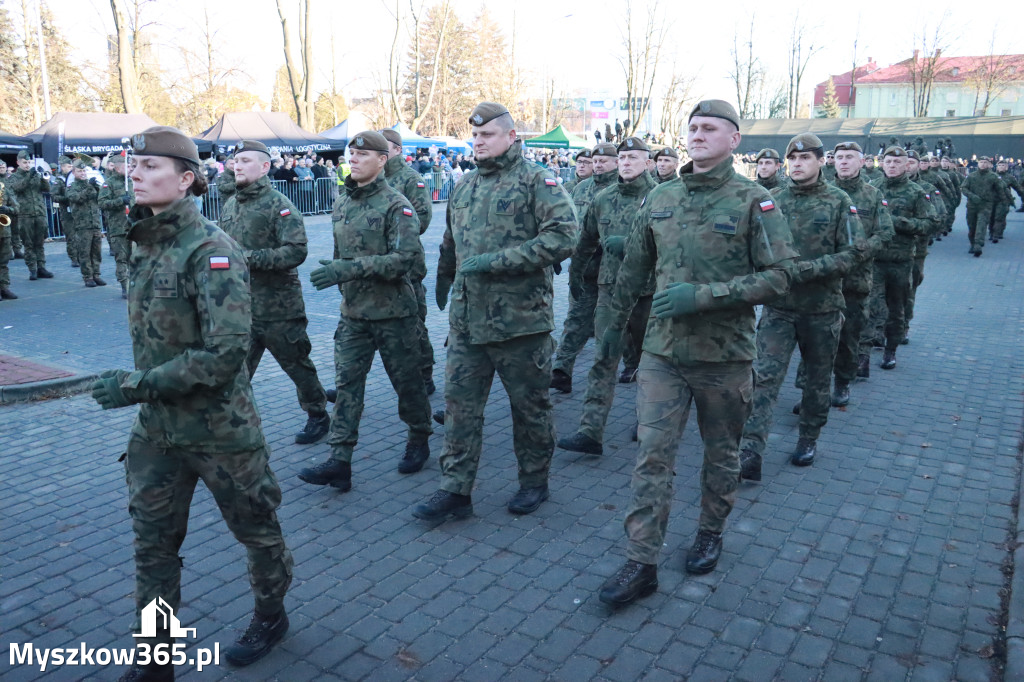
x=830, y=104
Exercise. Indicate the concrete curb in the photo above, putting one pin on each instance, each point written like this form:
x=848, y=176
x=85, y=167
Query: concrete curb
x=43, y=390
x=1015, y=618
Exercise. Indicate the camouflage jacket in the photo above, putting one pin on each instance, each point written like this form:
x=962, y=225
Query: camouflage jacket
x=873, y=175
x=828, y=173
x=574, y=183
x=82, y=198
x=376, y=228
x=226, y=184
x=611, y=214
x=27, y=188
x=58, y=190
x=873, y=212
x=1010, y=182
x=938, y=205
x=982, y=187
x=912, y=216
x=662, y=180
x=582, y=195
x=410, y=185
x=717, y=230
x=517, y=212
x=828, y=235
x=947, y=191
x=955, y=180
x=272, y=235
x=111, y=202
x=188, y=314
x=769, y=183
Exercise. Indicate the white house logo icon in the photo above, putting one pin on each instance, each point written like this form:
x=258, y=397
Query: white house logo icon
x=159, y=610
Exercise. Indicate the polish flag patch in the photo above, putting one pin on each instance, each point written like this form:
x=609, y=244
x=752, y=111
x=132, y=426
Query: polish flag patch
x=884, y=202
x=219, y=263
x=767, y=205
x=420, y=185
x=928, y=197
x=285, y=212
x=407, y=211
x=550, y=182
x=853, y=209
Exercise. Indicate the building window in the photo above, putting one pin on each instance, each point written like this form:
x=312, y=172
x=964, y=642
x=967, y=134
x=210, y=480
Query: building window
x=956, y=71
x=950, y=113
x=892, y=99
x=1006, y=112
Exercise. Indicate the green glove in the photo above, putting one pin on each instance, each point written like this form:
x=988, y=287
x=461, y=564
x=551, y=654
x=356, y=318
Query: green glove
x=333, y=272
x=441, y=290
x=611, y=343
x=478, y=263
x=107, y=390
x=680, y=298
x=615, y=246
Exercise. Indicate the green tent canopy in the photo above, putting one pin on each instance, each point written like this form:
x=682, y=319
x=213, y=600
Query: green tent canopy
x=559, y=138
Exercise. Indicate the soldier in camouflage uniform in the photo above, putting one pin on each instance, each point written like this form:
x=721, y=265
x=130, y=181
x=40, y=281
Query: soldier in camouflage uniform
x=271, y=232
x=666, y=161
x=912, y=216
x=983, y=190
x=871, y=172
x=828, y=171
x=579, y=322
x=82, y=196
x=584, y=169
x=58, y=191
x=377, y=260
x=608, y=223
x=226, y=182
x=12, y=203
x=768, y=165
x=189, y=319
x=508, y=223
x=716, y=246
x=1006, y=203
x=115, y=200
x=828, y=235
x=877, y=224
x=5, y=245
x=939, y=218
x=411, y=185
x=931, y=173
x=27, y=186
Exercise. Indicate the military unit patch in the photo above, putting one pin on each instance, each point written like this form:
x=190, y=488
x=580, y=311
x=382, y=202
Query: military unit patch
x=219, y=263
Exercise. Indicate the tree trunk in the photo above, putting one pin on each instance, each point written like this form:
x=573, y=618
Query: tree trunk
x=295, y=80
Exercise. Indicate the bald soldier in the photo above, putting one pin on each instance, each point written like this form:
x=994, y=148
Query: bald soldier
x=271, y=231
x=667, y=162
x=768, y=165
x=508, y=223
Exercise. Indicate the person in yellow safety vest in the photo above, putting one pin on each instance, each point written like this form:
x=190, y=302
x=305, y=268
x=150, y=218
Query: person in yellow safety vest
x=343, y=170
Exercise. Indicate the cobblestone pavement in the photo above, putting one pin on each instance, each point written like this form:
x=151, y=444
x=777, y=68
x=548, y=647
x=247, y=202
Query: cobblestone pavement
x=883, y=561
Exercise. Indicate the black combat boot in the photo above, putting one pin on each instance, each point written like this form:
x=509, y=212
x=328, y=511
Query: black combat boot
x=803, y=456
x=863, y=366
x=99, y=282
x=261, y=635
x=750, y=465
x=580, y=442
x=561, y=381
x=332, y=395
x=148, y=673
x=18, y=254
x=841, y=396
x=316, y=428
x=416, y=455
x=333, y=472
x=443, y=505
x=75, y=265
x=439, y=416
x=889, y=359
x=89, y=284
x=32, y=275
x=796, y=407
x=528, y=500
x=628, y=375
x=7, y=295
x=702, y=557
x=43, y=273
x=633, y=581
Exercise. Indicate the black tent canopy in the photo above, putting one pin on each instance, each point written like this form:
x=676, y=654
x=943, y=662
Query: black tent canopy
x=12, y=144
x=273, y=129
x=95, y=133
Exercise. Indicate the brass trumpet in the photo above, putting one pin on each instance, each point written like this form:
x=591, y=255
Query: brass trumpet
x=5, y=220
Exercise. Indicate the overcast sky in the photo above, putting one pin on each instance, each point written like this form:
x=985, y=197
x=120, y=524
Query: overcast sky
x=576, y=41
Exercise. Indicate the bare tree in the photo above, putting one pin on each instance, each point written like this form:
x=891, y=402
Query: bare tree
x=799, y=57
x=993, y=77
x=300, y=80
x=441, y=37
x=127, y=74
x=674, y=102
x=640, y=63
x=927, y=63
x=747, y=72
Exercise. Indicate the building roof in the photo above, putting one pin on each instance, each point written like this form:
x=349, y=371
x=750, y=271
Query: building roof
x=842, y=83
x=949, y=69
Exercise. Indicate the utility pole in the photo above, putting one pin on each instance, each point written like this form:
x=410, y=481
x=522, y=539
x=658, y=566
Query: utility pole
x=44, y=73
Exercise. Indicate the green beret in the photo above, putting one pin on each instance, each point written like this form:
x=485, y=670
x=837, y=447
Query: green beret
x=604, y=149
x=895, y=150
x=666, y=151
x=392, y=136
x=767, y=153
x=25, y=155
x=81, y=165
x=117, y=159
x=633, y=144
x=984, y=158
x=848, y=147
x=64, y=159
x=251, y=146
x=804, y=142
x=582, y=154
x=912, y=154
x=165, y=141
x=716, y=108
x=486, y=112
x=370, y=141
x=53, y=166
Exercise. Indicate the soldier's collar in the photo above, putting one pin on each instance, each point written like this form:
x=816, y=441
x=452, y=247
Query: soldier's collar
x=499, y=163
x=394, y=164
x=353, y=190
x=641, y=184
x=605, y=179
x=153, y=229
x=716, y=177
x=250, y=191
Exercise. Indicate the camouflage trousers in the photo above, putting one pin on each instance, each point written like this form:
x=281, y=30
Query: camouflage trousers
x=289, y=344
x=855, y=319
x=122, y=249
x=524, y=366
x=33, y=235
x=998, y=220
x=916, y=277
x=577, y=328
x=67, y=226
x=5, y=257
x=422, y=336
x=890, y=289
x=161, y=483
x=779, y=332
x=90, y=252
x=978, y=219
x=722, y=393
x=597, y=401
x=355, y=343
x=16, y=243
